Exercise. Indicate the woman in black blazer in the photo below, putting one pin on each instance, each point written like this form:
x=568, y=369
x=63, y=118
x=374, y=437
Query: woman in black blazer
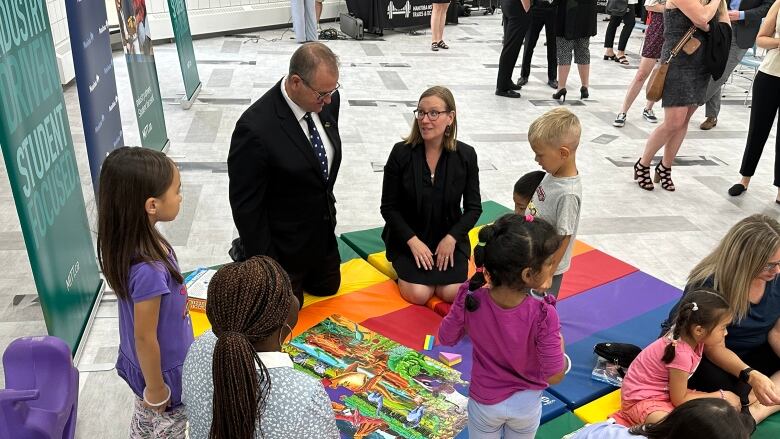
x=425, y=178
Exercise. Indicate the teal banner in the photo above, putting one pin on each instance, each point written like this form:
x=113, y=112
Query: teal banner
x=39, y=158
x=181, y=31
x=137, y=43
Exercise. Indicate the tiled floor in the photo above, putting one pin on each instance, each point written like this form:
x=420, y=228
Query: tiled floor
x=663, y=233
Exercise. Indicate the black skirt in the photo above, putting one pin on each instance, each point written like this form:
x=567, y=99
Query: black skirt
x=407, y=270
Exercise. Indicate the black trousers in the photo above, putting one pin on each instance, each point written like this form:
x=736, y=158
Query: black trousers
x=541, y=17
x=709, y=377
x=517, y=23
x=321, y=277
x=766, y=103
x=629, y=20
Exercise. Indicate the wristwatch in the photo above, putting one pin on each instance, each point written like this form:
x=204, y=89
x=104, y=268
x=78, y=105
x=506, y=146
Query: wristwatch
x=744, y=375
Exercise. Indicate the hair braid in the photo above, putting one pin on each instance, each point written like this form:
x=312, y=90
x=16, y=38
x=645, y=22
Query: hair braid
x=680, y=323
x=248, y=301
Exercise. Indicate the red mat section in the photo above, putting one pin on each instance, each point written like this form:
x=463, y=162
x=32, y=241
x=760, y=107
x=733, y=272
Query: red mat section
x=590, y=270
x=407, y=326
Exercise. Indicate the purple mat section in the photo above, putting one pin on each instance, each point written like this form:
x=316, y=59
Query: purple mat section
x=464, y=367
x=612, y=304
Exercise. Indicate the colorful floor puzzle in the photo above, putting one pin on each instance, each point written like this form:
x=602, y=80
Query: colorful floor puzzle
x=379, y=388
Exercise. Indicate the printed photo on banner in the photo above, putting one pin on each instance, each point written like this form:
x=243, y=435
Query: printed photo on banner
x=134, y=27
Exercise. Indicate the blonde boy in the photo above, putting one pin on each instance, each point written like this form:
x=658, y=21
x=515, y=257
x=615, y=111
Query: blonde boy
x=554, y=138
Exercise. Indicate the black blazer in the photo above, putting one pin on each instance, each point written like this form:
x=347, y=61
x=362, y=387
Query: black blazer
x=402, y=198
x=745, y=31
x=280, y=202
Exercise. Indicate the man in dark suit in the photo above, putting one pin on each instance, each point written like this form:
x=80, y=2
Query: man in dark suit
x=745, y=16
x=518, y=20
x=284, y=158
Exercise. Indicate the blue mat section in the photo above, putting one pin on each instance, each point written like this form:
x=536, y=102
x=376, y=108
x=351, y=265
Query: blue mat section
x=578, y=388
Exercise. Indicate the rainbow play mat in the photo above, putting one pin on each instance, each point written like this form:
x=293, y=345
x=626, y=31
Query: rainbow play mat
x=601, y=299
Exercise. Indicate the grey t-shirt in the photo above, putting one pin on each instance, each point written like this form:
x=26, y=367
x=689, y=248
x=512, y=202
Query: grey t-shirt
x=557, y=200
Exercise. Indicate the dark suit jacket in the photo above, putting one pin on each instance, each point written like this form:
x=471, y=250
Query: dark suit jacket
x=402, y=198
x=281, y=205
x=745, y=31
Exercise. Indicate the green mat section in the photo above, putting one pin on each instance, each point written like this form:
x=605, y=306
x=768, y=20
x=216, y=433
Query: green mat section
x=365, y=242
x=491, y=211
x=556, y=428
x=769, y=429
x=346, y=252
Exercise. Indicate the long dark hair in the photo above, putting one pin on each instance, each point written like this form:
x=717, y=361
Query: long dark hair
x=507, y=247
x=248, y=302
x=703, y=307
x=703, y=418
x=128, y=178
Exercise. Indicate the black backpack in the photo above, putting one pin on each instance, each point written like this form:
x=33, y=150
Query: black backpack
x=621, y=354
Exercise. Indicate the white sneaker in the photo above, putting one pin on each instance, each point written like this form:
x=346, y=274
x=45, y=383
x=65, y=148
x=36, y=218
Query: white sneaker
x=620, y=120
x=649, y=116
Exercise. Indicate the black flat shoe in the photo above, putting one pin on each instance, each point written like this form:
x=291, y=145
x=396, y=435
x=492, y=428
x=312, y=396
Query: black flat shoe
x=522, y=81
x=507, y=93
x=553, y=83
x=737, y=189
x=515, y=87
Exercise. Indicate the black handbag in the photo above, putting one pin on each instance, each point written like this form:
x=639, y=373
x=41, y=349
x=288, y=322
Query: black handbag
x=621, y=354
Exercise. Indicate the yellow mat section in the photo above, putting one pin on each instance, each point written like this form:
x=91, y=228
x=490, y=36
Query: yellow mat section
x=600, y=409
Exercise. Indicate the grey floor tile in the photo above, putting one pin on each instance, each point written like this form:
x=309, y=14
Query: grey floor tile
x=204, y=126
x=220, y=77
x=637, y=224
x=372, y=49
x=392, y=80
x=231, y=46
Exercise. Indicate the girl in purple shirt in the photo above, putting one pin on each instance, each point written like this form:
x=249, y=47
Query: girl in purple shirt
x=518, y=348
x=138, y=188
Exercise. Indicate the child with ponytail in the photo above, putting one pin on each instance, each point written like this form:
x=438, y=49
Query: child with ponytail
x=518, y=348
x=657, y=380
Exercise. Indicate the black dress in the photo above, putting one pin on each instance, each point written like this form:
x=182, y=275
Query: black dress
x=687, y=78
x=414, y=204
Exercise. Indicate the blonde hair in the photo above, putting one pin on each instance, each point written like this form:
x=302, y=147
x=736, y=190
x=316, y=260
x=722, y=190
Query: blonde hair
x=450, y=136
x=739, y=257
x=555, y=126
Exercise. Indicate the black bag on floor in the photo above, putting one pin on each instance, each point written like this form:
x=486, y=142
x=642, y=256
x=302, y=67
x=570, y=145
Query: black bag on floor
x=621, y=354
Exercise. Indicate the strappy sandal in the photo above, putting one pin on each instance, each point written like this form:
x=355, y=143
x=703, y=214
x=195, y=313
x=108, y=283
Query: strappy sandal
x=610, y=57
x=664, y=175
x=442, y=45
x=642, y=175
x=622, y=60
x=435, y=47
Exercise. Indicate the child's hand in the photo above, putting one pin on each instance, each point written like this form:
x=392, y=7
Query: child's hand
x=732, y=399
x=157, y=396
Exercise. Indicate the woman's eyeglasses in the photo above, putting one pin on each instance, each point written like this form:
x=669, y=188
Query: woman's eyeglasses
x=771, y=266
x=432, y=115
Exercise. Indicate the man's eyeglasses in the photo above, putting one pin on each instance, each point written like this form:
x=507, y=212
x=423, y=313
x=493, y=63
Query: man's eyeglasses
x=771, y=266
x=432, y=115
x=321, y=95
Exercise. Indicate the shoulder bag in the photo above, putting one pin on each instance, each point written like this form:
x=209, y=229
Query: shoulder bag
x=655, y=87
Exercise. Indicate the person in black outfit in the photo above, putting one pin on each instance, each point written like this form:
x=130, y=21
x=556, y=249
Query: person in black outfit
x=283, y=161
x=518, y=21
x=543, y=13
x=426, y=177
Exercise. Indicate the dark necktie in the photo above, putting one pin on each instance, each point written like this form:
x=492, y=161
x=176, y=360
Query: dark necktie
x=316, y=143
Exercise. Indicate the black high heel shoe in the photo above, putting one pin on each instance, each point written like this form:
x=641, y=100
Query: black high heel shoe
x=584, y=93
x=664, y=175
x=560, y=95
x=642, y=176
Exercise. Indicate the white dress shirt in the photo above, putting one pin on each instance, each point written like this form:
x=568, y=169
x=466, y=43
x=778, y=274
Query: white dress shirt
x=299, y=113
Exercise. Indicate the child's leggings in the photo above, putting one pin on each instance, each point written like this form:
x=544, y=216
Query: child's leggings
x=148, y=424
x=517, y=417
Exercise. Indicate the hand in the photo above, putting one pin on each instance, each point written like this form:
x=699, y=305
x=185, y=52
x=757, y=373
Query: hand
x=734, y=15
x=732, y=399
x=156, y=395
x=422, y=254
x=445, y=253
x=763, y=388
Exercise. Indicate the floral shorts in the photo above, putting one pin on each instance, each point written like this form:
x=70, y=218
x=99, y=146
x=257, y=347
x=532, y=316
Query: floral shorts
x=148, y=424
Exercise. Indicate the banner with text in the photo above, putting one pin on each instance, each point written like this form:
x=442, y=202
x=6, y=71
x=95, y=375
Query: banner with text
x=91, y=45
x=181, y=31
x=41, y=164
x=137, y=43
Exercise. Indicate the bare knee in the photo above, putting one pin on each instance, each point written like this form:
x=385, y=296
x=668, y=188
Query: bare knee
x=447, y=293
x=416, y=294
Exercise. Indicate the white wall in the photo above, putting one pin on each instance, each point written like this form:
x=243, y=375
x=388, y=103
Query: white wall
x=59, y=32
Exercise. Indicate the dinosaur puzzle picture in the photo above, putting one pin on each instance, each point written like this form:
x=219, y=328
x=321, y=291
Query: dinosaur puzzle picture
x=378, y=388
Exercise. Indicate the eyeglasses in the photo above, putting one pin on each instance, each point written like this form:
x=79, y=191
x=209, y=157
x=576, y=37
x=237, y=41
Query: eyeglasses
x=771, y=266
x=321, y=95
x=432, y=115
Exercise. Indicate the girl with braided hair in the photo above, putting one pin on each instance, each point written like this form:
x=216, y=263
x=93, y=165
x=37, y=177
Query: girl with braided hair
x=657, y=380
x=237, y=382
x=518, y=348
x=139, y=188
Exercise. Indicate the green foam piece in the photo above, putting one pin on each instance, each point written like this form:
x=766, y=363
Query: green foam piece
x=491, y=211
x=365, y=242
x=346, y=252
x=560, y=426
x=769, y=428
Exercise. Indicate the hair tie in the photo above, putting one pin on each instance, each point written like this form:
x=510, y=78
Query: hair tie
x=480, y=269
x=529, y=218
x=695, y=306
x=480, y=244
x=674, y=341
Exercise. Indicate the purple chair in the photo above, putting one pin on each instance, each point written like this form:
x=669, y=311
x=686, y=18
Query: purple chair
x=42, y=388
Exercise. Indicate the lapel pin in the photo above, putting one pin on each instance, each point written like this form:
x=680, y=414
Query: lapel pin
x=327, y=124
